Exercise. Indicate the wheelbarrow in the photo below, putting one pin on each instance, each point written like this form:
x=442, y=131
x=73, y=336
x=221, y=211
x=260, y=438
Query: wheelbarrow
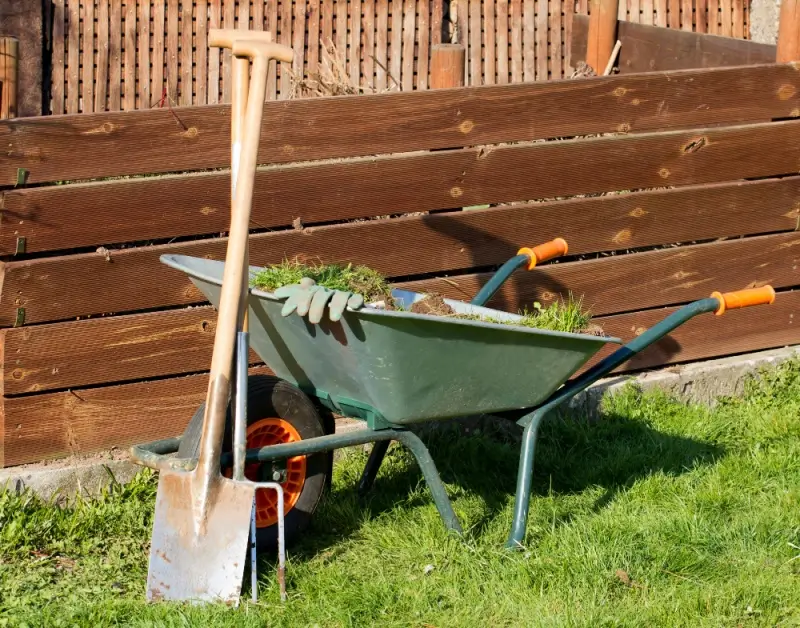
x=394, y=369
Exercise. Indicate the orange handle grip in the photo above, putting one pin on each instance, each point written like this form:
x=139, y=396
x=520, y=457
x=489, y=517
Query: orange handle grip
x=544, y=252
x=743, y=298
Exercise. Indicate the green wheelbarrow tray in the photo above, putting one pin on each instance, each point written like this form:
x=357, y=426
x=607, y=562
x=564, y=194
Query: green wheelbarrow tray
x=396, y=368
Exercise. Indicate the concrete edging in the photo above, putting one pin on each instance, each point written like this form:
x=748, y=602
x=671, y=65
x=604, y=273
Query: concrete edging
x=698, y=382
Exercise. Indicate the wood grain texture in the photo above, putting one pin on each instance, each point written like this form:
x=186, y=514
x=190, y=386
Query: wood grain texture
x=424, y=28
x=516, y=41
x=409, y=42
x=154, y=141
x=99, y=419
x=28, y=22
x=355, y=55
x=129, y=74
x=59, y=59
x=396, y=45
x=60, y=288
x=73, y=58
x=642, y=280
x=368, y=59
x=144, y=97
x=85, y=421
x=654, y=49
x=201, y=51
x=529, y=40
x=502, y=41
x=489, y=45
x=103, y=350
x=139, y=346
x=87, y=54
x=186, y=55
x=382, y=80
x=50, y=218
x=159, y=51
x=173, y=51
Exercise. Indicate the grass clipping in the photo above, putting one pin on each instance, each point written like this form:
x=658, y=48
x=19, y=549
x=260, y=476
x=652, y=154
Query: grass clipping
x=566, y=315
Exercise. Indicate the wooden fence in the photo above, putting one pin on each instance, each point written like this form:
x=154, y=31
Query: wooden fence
x=110, y=55
x=105, y=346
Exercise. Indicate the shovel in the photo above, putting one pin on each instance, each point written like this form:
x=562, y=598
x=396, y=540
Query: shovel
x=202, y=519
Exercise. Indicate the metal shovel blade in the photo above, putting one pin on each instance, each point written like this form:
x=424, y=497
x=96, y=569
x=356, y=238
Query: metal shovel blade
x=199, y=556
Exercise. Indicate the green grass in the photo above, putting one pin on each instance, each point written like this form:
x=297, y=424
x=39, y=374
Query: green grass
x=563, y=315
x=659, y=514
x=359, y=279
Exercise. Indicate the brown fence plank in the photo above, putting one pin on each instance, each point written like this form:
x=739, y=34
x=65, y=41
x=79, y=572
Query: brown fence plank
x=159, y=50
x=101, y=86
x=153, y=140
x=354, y=47
x=51, y=218
x=701, y=16
x=229, y=21
x=185, y=57
x=272, y=75
x=63, y=287
x=409, y=42
x=87, y=71
x=529, y=40
x=382, y=81
x=554, y=35
x=541, y=40
x=144, y=98
x=59, y=60
x=130, y=55
x=346, y=190
x=96, y=419
x=201, y=51
x=172, y=51
x=104, y=350
x=139, y=346
x=115, y=56
x=475, y=52
x=73, y=57
x=489, y=45
x=396, y=45
x=424, y=27
x=285, y=26
x=502, y=41
x=516, y=41
x=649, y=48
x=299, y=38
x=368, y=61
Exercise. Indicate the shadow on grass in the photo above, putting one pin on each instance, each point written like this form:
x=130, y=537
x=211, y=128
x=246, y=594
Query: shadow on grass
x=572, y=456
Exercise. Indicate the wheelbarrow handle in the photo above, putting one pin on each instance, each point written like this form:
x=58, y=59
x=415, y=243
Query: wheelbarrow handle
x=526, y=256
x=544, y=252
x=743, y=298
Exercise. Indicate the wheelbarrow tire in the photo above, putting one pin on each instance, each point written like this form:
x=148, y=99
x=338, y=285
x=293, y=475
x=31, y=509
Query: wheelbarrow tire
x=270, y=397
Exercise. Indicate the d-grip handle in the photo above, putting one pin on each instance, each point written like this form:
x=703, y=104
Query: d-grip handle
x=544, y=252
x=249, y=44
x=743, y=298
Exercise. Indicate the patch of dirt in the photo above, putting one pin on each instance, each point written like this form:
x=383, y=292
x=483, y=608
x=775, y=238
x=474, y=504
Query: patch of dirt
x=432, y=304
x=593, y=330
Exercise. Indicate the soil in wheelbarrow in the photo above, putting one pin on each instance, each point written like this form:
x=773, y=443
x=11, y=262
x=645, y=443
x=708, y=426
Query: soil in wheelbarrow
x=566, y=315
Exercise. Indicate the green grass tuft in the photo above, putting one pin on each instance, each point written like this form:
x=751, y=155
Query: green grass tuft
x=565, y=315
x=658, y=514
x=359, y=279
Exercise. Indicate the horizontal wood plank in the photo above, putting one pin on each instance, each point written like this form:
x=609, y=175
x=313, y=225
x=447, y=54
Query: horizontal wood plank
x=125, y=348
x=642, y=280
x=54, y=425
x=59, y=288
x=60, y=424
x=648, y=48
x=89, y=146
x=54, y=218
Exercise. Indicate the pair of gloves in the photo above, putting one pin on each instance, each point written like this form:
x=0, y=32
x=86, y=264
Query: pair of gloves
x=308, y=298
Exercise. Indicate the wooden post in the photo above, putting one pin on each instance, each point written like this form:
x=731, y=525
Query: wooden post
x=24, y=21
x=789, y=32
x=9, y=56
x=447, y=65
x=602, y=33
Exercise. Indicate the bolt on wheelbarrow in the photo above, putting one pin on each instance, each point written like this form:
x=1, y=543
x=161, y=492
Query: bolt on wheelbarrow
x=394, y=369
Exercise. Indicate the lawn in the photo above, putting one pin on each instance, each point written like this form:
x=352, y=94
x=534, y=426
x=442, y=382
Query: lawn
x=658, y=514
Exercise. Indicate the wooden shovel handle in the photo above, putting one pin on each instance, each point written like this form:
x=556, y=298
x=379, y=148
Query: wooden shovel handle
x=262, y=49
x=224, y=37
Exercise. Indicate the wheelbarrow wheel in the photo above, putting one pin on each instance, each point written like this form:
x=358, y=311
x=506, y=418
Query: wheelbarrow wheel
x=277, y=412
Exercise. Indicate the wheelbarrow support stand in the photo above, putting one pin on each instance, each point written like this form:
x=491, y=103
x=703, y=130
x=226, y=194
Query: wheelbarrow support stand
x=532, y=420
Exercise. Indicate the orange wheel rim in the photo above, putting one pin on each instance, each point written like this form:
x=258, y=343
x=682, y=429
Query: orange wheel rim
x=263, y=433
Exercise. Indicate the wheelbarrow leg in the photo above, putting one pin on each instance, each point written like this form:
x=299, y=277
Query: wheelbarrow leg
x=426, y=464
x=372, y=467
x=524, y=479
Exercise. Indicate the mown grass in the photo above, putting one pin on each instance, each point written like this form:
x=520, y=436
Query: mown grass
x=659, y=514
x=561, y=315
